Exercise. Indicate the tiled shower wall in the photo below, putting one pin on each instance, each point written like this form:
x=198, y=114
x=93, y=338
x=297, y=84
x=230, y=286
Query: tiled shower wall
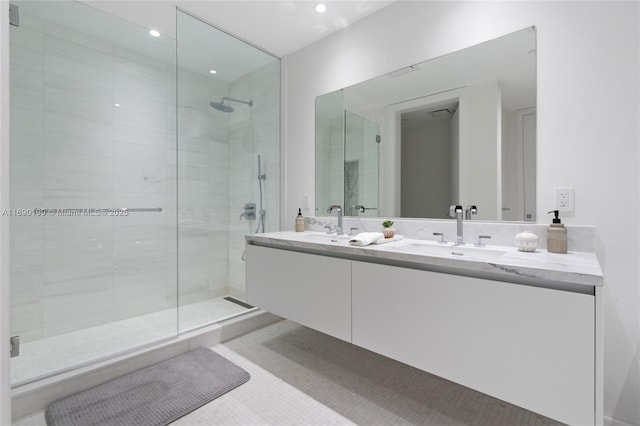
x=203, y=189
x=71, y=147
x=253, y=131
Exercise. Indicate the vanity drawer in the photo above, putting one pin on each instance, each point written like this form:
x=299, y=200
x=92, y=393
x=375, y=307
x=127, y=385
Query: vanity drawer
x=533, y=347
x=309, y=289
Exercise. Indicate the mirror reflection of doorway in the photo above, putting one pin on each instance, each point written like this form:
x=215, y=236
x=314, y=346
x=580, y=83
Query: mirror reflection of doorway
x=519, y=165
x=429, y=139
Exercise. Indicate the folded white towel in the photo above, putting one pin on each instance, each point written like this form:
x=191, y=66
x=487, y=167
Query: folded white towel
x=366, y=238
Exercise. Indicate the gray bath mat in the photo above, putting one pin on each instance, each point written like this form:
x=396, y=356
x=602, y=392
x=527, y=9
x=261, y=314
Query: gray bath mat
x=155, y=395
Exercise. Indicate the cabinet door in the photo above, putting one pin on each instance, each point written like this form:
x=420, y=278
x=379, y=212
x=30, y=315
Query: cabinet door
x=311, y=290
x=532, y=347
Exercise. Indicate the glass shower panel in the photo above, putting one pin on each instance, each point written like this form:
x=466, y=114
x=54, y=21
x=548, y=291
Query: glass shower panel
x=92, y=135
x=362, y=141
x=228, y=165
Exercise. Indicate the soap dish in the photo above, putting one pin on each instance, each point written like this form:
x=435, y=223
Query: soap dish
x=526, y=241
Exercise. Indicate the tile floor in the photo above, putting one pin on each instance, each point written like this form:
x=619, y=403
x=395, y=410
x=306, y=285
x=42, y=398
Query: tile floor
x=302, y=377
x=55, y=353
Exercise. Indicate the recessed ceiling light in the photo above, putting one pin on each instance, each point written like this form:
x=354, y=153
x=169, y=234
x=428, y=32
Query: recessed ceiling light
x=321, y=8
x=154, y=33
x=213, y=72
x=116, y=105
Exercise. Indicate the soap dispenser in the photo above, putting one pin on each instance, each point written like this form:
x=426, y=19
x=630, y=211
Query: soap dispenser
x=556, y=235
x=299, y=221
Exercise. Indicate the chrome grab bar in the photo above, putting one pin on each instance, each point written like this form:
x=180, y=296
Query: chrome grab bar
x=141, y=210
x=117, y=210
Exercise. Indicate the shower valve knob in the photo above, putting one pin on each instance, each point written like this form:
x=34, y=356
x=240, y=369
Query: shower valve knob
x=249, y=211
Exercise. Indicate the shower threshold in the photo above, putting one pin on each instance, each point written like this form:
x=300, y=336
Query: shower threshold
x=57, y=354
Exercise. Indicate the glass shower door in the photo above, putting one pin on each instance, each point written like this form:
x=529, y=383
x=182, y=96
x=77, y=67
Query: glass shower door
x=228, y=165
x=362, y=142
x=93, y=188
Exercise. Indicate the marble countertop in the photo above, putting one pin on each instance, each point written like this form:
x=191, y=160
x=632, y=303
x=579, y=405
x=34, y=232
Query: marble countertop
x=574, y=268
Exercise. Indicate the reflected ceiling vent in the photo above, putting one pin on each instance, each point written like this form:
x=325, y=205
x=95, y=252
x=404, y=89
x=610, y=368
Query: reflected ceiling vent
x=403, y=71
x=443, y=112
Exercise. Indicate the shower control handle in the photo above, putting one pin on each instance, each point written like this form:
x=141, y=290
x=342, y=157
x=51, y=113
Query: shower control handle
x=249, y=211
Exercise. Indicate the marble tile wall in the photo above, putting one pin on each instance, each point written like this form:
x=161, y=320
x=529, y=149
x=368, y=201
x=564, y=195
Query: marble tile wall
x=579, y=238
x=253, y=131
x=72, y=147
x=203, y=188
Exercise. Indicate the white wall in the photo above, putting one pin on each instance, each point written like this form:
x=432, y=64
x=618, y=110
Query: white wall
x=588, y=132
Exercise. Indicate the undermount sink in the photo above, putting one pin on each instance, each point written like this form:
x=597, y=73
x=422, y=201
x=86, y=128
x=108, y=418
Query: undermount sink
x=318, y=237
x=423, y=247
x=463, y=252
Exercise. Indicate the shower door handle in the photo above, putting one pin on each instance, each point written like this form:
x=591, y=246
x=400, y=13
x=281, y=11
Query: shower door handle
x=78, y=212
x=141, y=210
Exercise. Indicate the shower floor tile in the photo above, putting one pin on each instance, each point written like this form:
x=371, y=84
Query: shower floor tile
x=302, y=377
x=55, y=353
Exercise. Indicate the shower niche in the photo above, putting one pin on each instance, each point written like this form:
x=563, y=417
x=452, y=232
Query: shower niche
x=120, y=121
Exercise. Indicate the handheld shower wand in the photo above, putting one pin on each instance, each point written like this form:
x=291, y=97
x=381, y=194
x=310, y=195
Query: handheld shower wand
x=261, y=178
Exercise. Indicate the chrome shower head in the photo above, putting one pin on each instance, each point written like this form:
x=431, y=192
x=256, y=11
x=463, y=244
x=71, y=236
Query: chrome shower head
x=226, y=108
x=221, y=107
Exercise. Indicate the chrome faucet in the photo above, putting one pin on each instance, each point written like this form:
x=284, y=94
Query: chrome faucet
x=358, y=208
x=472, y=209
x=337, y=208
x=457, y=211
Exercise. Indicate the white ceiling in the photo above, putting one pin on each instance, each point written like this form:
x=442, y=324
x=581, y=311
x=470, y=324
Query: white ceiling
x=279, y=27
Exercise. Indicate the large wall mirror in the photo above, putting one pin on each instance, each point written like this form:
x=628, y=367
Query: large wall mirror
x=457, y=129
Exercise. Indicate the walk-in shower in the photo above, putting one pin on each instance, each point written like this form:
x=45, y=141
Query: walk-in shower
x=221, y=106
x=128, y=183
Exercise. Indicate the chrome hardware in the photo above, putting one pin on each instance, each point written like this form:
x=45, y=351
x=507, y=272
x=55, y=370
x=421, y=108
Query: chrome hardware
x=14, y=15
x=138, y=210
x=249, y=211
x=337, y=208
x=441, y=235
x=480, y=238
x=472, y=209
x=457, y=212
x=359, y=208
x=14, y=343
x=94, y=212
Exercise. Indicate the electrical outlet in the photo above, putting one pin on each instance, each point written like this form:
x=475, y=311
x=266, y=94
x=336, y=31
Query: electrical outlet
x=565, y=200
x=306, y=204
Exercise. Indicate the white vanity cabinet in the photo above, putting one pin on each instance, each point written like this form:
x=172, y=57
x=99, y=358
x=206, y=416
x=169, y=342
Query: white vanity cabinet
x=533, y=347
x=306, y=288
x=533, y=343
